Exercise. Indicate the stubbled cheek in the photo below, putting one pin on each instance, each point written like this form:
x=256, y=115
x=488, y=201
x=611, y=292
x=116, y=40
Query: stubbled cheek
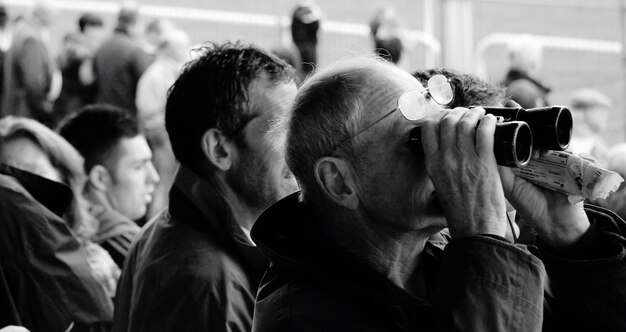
x=290, y=186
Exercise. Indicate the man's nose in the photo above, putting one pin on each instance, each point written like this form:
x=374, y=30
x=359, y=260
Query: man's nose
x=153, y=175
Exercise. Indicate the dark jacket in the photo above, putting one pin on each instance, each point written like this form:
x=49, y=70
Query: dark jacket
x=46, y=283
x=192, y=268
x=525, y=90
x=77, y=51
x=118, y=64
x=479, y=283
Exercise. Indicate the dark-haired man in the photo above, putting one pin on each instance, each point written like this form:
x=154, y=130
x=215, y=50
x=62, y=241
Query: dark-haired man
x=32, y=81
x=121, y=177
x=194, y=267
x=120, y=62
x=76, y=63
x=468, y=90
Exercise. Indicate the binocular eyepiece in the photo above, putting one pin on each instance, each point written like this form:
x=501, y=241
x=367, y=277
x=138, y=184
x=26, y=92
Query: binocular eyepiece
x=522, y=130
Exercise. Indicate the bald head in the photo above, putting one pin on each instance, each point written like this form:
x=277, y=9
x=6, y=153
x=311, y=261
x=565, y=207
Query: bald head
x=335, y=103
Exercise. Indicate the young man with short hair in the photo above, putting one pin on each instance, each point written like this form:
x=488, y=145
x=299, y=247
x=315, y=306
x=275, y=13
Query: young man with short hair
x=121, y=177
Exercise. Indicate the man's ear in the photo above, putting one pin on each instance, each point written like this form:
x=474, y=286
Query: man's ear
x=216, y=149
x=99, y=177
x=335, y=178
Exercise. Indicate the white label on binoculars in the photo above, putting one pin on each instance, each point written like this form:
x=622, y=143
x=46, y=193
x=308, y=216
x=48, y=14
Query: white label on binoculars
x=570, y=174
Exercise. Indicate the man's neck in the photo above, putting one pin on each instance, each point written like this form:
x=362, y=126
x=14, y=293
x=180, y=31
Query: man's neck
x=242, y=213
x=97, y=197
x=393, y=253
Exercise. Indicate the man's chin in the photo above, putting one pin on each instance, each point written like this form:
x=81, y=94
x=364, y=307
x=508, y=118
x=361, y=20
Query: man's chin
x=137, y=214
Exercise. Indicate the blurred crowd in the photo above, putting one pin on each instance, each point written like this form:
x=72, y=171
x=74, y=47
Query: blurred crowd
x=132, y=170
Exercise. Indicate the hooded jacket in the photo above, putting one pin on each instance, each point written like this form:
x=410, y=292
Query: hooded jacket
x=190, y=269
x=479, y=283
x=46, y=283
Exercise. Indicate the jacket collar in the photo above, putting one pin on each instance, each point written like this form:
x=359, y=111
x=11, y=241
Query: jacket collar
x=212, y=203
x=289, y=234
x=55, y=196
x=111, y=223
x=201, y=204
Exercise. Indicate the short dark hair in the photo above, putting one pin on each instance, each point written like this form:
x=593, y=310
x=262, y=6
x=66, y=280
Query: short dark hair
x=90, y=20
x=96, y=130
x=469, y=90
x=212, y=92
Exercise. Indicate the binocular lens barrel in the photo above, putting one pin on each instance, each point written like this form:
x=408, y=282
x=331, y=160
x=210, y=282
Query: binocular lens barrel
x=551, y=126
x=548, y=128
x=513, y=143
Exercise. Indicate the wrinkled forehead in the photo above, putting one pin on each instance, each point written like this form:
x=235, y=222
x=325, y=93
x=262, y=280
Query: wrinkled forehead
x=385, y=87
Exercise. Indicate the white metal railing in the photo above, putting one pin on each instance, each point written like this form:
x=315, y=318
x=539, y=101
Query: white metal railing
x=553, y=42
x=231, y=17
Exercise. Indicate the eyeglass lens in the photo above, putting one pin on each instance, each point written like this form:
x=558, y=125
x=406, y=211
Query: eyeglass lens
x=412, y=103
x=440, y=89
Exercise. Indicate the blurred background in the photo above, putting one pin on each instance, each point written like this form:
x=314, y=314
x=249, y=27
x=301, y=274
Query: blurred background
x=580, y=39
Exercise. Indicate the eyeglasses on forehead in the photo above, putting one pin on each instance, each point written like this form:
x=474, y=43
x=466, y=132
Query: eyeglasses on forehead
x=413, y=103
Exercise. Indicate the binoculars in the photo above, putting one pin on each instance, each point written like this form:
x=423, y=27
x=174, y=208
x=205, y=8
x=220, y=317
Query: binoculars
x=522, y=130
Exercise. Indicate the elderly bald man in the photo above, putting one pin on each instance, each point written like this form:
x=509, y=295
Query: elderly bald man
x=362, y=247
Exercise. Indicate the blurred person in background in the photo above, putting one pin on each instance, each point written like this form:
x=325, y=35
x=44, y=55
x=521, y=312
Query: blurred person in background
x=76, y=63
x=468, y=90
x=171, y=55
x=305, y=25
x=525, y=57
x=32, y=81
x=120, y=175
x=53, y=276
x=153, y=34
x=292, y=57
x=69, y=164
x=5, y=43
x=194, y=266
x=590, y=111
x=5, y=30
x=120, y=62
x=616, y=161
x=385, y=32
